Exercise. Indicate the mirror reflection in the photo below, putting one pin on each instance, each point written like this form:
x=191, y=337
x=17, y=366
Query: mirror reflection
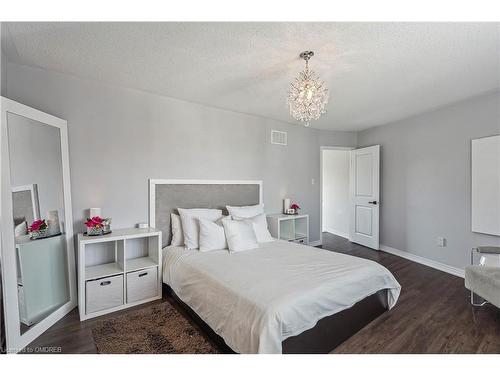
x=38, y=214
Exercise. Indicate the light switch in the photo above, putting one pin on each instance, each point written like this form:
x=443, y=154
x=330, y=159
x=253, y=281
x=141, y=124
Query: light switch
x=312, y=181
x=441, y=242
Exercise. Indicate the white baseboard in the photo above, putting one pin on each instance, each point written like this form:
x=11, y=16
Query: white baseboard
x=336, y=232
x=425, y=261
x=315, y=243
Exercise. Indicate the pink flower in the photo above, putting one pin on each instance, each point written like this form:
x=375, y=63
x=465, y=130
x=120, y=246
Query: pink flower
x=37, y=225
x=97, y=219
x=295, y=206
x=95, y=222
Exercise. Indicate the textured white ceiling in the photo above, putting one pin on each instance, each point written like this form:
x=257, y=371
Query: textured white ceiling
x=376, y=72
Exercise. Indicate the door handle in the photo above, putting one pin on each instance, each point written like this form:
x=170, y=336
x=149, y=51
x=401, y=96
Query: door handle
x=372, y=202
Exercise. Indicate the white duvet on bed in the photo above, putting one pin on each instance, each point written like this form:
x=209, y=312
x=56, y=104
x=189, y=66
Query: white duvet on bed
x=255, y=299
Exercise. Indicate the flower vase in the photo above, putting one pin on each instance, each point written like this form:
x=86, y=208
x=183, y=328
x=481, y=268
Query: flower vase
x=37, y=234
x=94, y=231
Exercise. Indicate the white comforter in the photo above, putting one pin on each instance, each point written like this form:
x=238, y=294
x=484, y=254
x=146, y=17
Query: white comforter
x=255, y=299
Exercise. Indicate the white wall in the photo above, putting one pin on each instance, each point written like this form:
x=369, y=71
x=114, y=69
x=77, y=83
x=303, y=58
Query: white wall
x=118, y=138
x=426, y=178
x=336, y=192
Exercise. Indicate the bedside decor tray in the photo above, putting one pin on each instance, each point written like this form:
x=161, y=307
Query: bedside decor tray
x=98, y=234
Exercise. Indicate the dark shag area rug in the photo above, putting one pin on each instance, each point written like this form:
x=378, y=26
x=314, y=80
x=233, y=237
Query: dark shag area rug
x=156, y=329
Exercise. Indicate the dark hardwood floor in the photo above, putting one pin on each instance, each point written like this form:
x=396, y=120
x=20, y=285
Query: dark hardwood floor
x=433, y=315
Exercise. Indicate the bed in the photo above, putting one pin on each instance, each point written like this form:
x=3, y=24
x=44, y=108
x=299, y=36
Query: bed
x=279, y=298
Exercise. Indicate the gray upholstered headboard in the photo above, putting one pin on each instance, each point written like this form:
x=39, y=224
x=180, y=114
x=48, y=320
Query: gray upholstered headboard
x=165, y=196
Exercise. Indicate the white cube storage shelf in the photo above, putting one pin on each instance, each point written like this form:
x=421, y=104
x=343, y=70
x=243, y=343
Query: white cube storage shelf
x=292, y=228
x=118, y=270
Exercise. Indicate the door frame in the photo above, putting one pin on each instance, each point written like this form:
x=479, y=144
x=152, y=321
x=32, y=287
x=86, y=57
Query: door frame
x=321, y=149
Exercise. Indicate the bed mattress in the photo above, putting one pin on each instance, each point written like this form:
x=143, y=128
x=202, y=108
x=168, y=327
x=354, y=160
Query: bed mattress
x=255, y=299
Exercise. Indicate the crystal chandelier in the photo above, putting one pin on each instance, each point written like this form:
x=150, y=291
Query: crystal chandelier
x=308, y=95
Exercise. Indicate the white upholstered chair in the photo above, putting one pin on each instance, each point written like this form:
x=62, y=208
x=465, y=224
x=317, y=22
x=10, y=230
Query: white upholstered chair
x=484, y=279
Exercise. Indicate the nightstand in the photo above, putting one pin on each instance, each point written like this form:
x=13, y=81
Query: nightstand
x=118, y=270
x=292, y=228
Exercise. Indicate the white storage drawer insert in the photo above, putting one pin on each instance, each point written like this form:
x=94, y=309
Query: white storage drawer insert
x=142, y=284
x=104, y=293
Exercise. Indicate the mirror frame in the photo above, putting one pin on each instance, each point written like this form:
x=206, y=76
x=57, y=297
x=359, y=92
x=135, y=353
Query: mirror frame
x=15, y=340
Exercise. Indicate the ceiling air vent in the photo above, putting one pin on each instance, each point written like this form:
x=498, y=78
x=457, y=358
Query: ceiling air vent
x=278, y=138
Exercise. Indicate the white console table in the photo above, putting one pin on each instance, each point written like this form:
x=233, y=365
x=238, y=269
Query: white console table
x=118, y=270
x=293, y=228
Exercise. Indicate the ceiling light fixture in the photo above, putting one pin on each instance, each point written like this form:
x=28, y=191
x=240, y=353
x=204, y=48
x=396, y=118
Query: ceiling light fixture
x=308, y=95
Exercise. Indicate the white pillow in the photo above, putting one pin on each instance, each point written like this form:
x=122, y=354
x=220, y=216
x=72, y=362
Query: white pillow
x=21, y=229
x=240, y=235
x=191, y=225
x=259, y=223
x=245, y=211
x=177, y=235
x=212, y=235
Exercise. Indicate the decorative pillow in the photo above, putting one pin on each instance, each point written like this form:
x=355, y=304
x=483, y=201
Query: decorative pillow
x=191, y=225
x=245, y=211
x=212, y=235
x=177, y=235
x=259, y=223
x=21, y=229
x=240, y=235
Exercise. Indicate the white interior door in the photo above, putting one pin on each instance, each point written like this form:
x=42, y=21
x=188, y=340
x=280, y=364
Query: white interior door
x=364, y=192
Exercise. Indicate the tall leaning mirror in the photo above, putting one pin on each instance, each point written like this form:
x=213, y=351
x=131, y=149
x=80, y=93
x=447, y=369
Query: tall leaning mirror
x=37, y=255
